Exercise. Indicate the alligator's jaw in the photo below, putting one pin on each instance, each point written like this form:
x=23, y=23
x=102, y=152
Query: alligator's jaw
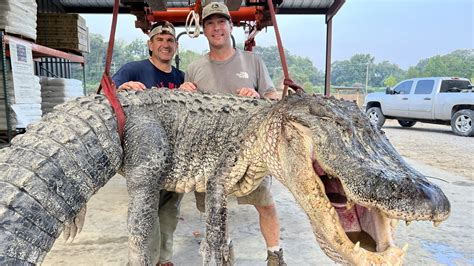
x=310, y=192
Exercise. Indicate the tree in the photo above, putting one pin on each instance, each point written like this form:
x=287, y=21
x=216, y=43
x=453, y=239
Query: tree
x=186, y=57
x=354, y=70
x=95, y=61
x=136, y=50
x=382, y=71
x=459, y=63
x=301, y=69
x=390, y=81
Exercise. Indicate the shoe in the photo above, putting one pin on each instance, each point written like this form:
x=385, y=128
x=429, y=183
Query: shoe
x=169, y=263
x=275, y=258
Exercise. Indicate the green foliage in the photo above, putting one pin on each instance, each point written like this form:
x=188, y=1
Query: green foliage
x=301, y=69
x=360, y=69
x=459, y=63
x=123, y=53
x=186, y=57
x=390, y=81
x=382, y=71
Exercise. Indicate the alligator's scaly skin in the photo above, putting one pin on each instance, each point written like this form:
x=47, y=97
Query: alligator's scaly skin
x=220, y=144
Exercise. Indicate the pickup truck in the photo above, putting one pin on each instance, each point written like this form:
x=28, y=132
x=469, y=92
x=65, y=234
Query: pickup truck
x=439, y=100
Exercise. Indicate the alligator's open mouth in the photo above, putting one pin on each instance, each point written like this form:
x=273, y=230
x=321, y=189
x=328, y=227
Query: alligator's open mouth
x=368, y=231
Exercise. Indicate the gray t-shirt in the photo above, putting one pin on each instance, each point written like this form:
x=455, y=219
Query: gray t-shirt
x=243, y=69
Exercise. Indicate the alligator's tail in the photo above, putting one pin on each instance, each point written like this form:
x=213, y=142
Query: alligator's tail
x=49, y=173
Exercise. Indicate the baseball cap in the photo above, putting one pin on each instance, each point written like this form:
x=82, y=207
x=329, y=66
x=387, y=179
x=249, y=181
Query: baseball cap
x=215, y=8
x=164, y=27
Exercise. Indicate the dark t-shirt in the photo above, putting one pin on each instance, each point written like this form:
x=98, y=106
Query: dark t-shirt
x=145, y=72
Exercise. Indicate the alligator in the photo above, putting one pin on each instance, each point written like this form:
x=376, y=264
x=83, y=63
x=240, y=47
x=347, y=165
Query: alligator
x=341, y=169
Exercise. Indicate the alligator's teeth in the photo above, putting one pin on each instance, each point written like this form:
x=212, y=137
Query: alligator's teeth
x=329, y=205
x=356, y=246
x=349, y=205
x=405, y=248
x=436, y=223
x=408, y=223
x=393, y=223
x=332, y=211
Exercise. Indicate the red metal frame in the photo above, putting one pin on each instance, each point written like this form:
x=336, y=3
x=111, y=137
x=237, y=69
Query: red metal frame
x=178, y=15
x=43, y=51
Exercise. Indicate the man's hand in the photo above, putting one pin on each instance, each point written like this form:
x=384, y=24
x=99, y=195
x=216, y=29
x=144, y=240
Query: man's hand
x=272, y=95
x=188, y=86
x=132, y=85
x=248, y=92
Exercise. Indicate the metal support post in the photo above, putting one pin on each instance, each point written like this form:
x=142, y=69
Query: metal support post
x=3, y=49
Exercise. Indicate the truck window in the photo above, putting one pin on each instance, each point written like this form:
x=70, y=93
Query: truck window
x=454, y=85
x=403, y=88
x=424, y=86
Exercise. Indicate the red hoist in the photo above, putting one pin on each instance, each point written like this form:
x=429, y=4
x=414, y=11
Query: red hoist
x=257, y=16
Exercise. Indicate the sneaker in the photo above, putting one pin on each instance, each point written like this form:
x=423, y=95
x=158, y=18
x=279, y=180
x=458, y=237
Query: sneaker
x=168, y=263
x=275, y=258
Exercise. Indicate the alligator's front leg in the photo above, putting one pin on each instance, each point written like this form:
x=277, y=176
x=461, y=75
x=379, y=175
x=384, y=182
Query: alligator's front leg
x=215, y=244
x=144, y=163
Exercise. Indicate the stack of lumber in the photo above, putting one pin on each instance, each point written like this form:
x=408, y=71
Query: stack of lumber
x=18, y=17
x=67, y=32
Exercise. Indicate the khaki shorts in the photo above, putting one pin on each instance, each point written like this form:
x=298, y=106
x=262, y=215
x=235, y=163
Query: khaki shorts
x=261, y=196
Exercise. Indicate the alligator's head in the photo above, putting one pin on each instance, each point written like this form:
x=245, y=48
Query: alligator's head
x=349, y=179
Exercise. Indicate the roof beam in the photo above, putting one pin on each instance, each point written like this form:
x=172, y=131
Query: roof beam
x=302, y=11
x=333, y=9
x=157, y=5
x=96, y=10
x=233, y=5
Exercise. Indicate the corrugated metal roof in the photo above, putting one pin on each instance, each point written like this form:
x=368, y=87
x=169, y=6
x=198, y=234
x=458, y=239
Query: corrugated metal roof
x=306, y=4
x=87, y=3
x=287, y=6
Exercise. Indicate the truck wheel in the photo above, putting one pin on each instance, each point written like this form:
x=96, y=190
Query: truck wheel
x=462, y=122
x=376, y=116
x=406, y=123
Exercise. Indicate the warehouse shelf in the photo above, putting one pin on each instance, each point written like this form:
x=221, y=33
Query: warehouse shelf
x=39, y=52
x=43, y=51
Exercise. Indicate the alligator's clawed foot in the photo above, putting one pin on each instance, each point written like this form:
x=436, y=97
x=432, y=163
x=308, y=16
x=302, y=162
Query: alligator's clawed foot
x=222, y=255
x=73, y=226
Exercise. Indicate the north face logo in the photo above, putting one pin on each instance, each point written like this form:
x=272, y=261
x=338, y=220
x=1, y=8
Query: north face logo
x=242, y=75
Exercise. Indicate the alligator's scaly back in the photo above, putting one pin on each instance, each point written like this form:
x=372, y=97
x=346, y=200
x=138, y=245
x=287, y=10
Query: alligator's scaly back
x=49, y=173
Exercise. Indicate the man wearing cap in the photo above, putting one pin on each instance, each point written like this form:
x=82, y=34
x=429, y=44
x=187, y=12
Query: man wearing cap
x=225, y=70
x=156, y=71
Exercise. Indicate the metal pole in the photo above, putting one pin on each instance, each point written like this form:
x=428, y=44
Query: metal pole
x=327, y=83
x=84, y=78
x=280, y=47
x=5, y=90
x=366, y=78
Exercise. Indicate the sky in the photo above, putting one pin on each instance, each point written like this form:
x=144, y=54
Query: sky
x=400, y=31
